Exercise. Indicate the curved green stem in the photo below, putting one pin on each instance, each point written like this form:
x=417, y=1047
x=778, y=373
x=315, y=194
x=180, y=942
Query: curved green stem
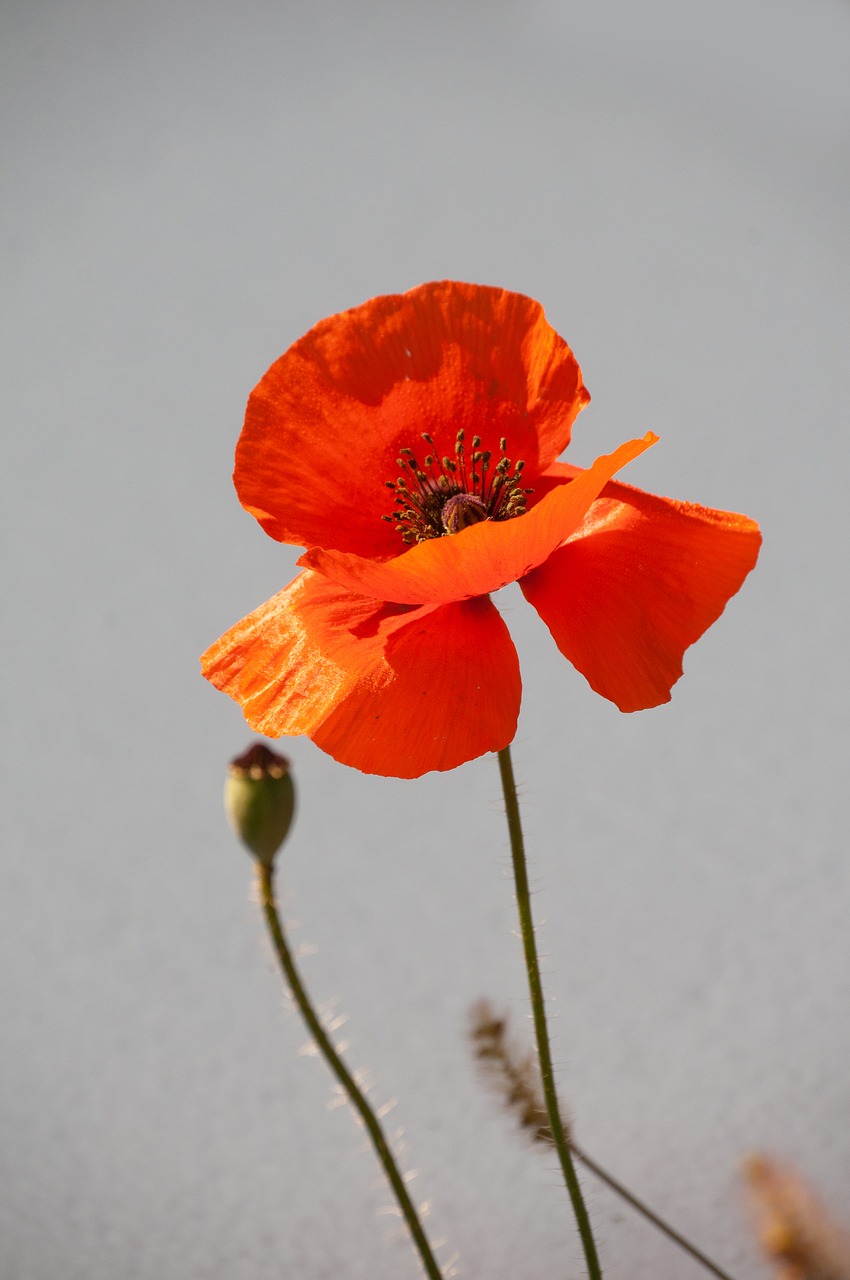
x=523, y=897
x=343, y=1075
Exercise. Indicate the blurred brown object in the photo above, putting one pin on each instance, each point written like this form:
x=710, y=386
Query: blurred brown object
x=793, y=1227
x=514, y=1075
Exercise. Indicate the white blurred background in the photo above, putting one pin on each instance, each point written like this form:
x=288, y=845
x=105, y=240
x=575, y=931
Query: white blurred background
x=189, y=187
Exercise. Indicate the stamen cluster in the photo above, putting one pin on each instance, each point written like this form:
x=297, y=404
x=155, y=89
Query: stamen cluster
x=445, y=495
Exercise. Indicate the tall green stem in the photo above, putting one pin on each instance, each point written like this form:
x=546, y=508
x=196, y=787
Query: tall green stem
x=343, y=1075
x=523, y=897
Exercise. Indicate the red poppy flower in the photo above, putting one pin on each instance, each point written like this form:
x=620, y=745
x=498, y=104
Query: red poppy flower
x=410, y=445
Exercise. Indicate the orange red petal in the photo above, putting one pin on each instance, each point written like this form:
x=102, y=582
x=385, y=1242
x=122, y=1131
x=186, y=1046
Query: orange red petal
x=483, y=557
x=324, y=426
x=388, y=690
x=637, y=583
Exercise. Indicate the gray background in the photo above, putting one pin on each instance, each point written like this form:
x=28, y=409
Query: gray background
x=189, y=188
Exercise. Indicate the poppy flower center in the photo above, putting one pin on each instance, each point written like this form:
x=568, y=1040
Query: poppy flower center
x=445, y=495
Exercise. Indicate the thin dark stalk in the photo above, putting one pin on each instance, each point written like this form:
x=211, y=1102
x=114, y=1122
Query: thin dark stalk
x=355, y=1095
x=670, y=1232
x=517, y=1078
x=535, y=986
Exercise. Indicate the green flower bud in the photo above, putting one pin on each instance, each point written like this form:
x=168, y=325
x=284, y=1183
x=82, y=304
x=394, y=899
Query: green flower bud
x=259, y=799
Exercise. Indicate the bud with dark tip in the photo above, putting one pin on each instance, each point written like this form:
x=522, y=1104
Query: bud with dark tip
x=259, y=799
